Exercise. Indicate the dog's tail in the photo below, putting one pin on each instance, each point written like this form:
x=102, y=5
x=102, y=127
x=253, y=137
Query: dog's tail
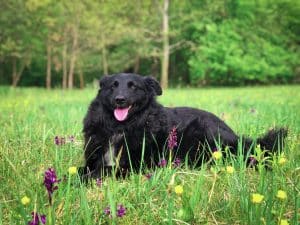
x=273, y=141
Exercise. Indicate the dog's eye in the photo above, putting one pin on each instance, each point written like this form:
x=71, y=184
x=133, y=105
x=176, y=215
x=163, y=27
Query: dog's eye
x=115, y=84
x=131, y=85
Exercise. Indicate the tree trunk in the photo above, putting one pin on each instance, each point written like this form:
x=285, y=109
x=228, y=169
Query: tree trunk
x=64, y=63
x=16, y=75
x=14, y=72
x=81, y=79
x=155, y=68
x=136, y=64
x=166, y=47
x=104, y=59
x=73, y=58
x=48, y=75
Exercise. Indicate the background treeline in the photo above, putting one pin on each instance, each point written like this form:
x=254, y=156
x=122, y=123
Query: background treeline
x=197, y=42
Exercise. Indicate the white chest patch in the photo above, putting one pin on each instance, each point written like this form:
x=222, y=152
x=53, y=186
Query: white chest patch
x=111, y=151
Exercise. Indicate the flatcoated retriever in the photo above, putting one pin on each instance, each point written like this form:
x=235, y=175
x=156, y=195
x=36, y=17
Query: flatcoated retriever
x=125, y=123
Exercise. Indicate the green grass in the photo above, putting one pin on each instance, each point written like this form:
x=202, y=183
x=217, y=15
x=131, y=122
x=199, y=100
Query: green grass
x=31, y=118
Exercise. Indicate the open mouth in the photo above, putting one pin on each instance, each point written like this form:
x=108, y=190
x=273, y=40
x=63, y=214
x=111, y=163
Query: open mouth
x=121, y=113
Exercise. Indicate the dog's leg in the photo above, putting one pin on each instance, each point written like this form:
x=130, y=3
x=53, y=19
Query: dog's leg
x=92, y=156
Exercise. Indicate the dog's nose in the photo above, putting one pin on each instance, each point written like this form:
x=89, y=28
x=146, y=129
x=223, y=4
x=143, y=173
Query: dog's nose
x=120, y=99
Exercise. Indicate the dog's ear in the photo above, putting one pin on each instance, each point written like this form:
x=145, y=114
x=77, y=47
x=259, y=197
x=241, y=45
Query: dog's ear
x=103, y=81
x=153, y=85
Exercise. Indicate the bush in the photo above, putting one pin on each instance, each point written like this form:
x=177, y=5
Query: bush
x=231, y=53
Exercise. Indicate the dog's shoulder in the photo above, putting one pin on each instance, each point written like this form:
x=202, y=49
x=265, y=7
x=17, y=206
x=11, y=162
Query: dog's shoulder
x=154, y=116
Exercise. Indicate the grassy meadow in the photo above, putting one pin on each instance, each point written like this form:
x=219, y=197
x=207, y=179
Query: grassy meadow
x=221, y=193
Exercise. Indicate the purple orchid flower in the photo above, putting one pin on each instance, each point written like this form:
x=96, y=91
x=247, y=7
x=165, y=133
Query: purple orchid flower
x=172, y=139
x=177, y=162
x=121, y=210
x=37, y=219
x=49, y=181
x=162, y=163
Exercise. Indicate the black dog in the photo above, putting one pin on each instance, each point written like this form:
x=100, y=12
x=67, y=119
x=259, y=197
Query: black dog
x=124, y=121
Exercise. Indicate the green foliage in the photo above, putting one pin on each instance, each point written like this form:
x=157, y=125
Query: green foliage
x=245, y=47
x=214, y=42
x=231, y=54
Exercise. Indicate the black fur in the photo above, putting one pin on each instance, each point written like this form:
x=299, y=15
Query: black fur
x=198, y=131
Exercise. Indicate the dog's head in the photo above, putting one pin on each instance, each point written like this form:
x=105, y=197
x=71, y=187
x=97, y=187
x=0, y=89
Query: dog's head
x=125, y=94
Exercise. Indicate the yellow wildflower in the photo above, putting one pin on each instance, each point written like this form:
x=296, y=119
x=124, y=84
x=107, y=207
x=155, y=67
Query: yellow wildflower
x=281, y=194
x=284, y=222
x=217, y=155
x=25, y=200
x=282, y=160
x=178, y=189
x=263, y=220
x=257, y=198
x=72, y=170
x=230, y=169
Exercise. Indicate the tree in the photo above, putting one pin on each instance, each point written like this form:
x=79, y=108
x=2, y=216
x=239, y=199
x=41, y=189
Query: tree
x=14, y=38
x=49, y=56
x=70, y=43
x=166, y=50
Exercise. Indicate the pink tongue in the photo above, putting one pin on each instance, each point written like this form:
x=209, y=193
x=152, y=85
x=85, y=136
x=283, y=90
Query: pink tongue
x=121, y=114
